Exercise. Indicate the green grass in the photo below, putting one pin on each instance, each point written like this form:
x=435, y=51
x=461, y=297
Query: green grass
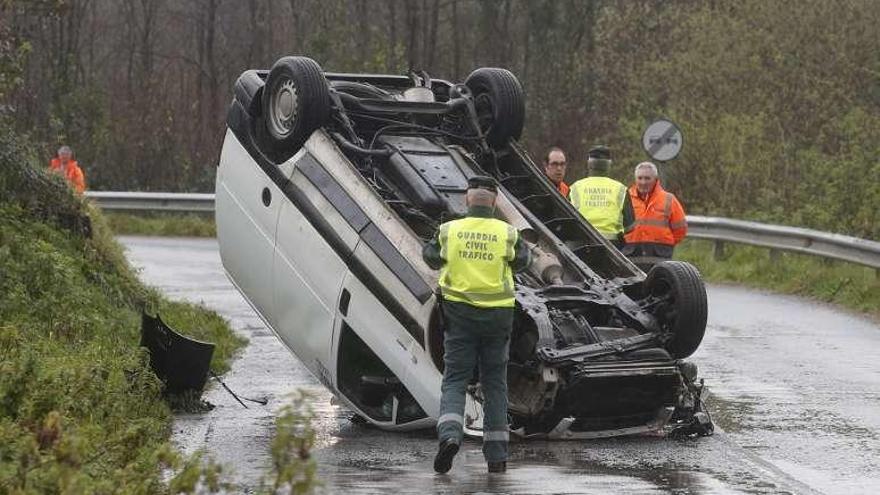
x=162, y=224
x=849, y=285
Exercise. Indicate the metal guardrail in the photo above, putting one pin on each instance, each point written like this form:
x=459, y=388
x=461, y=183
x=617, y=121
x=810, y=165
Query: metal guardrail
x=150, y=201
x=720, y=230
x=795, y=239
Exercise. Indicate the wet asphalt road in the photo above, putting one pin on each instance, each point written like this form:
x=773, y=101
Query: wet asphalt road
x=795, y=391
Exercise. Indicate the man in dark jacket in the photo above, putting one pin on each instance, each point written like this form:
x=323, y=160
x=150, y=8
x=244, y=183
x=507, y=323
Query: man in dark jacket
x=554, y=168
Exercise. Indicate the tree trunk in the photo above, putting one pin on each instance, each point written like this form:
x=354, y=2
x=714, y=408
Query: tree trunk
x=364, y=47
x=391, y=63
x=432, y=35
x=456, y=42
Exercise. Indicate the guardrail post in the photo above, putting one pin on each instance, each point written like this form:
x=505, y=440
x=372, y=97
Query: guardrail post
x=718, y=251
x=775, y=255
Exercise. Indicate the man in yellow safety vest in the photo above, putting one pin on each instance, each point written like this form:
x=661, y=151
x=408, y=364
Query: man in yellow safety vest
x=601, y=200
x=477, y=256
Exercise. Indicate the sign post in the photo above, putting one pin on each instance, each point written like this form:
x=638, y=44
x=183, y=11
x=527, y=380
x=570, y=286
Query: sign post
x=662, y=141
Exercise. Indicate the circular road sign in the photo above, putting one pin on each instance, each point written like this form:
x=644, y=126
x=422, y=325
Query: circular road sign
x=662, y=140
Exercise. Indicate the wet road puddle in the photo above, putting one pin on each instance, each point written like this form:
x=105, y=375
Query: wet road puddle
x=536, y=480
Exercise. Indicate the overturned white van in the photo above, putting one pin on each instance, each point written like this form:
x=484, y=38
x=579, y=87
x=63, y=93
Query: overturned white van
x=329, y=185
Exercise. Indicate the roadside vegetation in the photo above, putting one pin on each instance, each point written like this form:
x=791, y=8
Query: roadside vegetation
x=846, y=284
x=80, y=409
x=162, y=224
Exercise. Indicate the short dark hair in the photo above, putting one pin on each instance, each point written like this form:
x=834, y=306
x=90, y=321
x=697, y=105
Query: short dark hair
x=551, y=150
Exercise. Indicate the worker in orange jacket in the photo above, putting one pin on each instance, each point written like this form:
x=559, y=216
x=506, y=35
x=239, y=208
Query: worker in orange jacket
x=67, y=166
x=660, y=220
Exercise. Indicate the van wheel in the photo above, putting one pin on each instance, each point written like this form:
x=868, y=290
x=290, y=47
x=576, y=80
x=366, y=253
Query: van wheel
x=500, y=104
x=682, y=307
x=296, y=102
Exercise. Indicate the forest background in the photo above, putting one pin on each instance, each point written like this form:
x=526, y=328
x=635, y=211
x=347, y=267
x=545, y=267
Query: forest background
x=779, y=101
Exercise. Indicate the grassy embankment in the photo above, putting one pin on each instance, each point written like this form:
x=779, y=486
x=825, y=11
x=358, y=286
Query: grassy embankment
x=849, y=285
x=80, y=410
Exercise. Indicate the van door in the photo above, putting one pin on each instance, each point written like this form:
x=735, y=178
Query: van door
x=308, y=272
x=373, y=359
x=247, y=203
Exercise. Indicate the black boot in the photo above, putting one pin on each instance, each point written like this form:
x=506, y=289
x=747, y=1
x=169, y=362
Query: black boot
x=443, y=460
x=498, y=467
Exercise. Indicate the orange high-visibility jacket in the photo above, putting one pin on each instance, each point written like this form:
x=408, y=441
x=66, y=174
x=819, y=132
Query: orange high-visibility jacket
x=659, y=217
x=72, y=173
x=563, y=188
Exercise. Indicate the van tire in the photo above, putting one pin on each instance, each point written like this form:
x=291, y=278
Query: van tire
x=295, y=103
x=500, y=104
x=684, y=313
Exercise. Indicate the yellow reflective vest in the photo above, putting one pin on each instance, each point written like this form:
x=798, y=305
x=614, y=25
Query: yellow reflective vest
x=600, y=200
x=477, y=253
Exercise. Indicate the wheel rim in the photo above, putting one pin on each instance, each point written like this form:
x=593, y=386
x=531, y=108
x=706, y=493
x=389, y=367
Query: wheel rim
x=283, y=108
x=666, y=309
x=485, y=112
